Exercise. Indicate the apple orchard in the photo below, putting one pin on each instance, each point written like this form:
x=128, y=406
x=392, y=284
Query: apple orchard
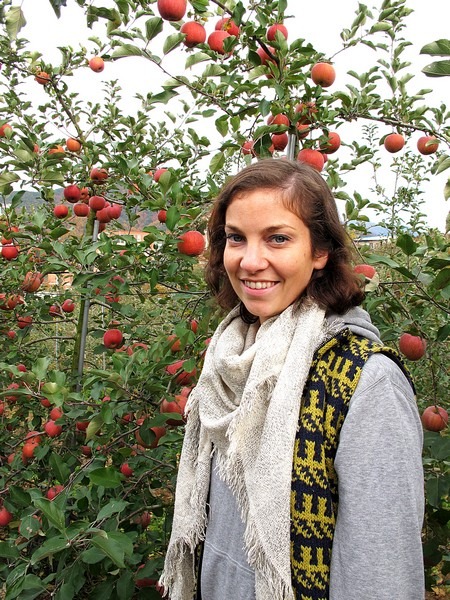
x=104, y=315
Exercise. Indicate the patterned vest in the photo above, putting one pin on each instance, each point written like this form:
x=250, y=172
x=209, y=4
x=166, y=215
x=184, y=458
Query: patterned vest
x=333, y=377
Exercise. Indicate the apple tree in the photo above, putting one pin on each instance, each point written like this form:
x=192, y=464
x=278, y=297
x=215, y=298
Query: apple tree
x=104, y=314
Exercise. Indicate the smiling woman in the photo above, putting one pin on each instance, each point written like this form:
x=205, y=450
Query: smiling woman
x=292, y=475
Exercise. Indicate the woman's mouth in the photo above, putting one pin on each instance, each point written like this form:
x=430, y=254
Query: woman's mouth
x=259, y=285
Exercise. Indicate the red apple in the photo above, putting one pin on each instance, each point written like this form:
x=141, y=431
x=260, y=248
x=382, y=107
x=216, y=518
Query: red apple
x=52, y=429
x=10, y=251
x=228, y=25
x=311, y=157
x=32, y=281
x=5, y=517
x=332, y=144
x=412, y=346
x=172, y=10
x=434, y=418
x=81, y=210
x=97, y=64
x=264, y=57
x=157, y=174
x=323, y=74
x=97, y=203
x=5, y=130
x=280, y=140
x=366, y=270
x=113, y=338
x=175, y=406
x=247, y=147
x=271, y=32
x=394, y=142
x=195, y=33
x=216, y=39
x=427, y=144
x=162, y=215
x=191, y=243
x=68, y=305
x=183, y=377
x=61, y=211
x=114, y=211
x=72, y=193
x=98, y=175
x=25, y=321
x=126, y=470
x=279, y=119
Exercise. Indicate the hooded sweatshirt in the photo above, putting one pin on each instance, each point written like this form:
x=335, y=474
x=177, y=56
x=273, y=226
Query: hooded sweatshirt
x=377, y=550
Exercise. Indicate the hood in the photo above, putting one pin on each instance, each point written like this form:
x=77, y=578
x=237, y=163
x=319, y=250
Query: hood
x=358, y=321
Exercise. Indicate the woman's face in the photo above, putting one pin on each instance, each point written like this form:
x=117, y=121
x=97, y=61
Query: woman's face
x=268, y=255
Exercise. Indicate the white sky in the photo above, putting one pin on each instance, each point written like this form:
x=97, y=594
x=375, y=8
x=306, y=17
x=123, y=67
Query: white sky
x=318, y=22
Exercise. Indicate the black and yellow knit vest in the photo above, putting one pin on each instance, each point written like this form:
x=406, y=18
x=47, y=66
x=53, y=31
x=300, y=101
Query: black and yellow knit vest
x=332, y=380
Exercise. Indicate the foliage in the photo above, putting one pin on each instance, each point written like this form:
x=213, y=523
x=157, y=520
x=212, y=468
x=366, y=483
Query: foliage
x=104, y=535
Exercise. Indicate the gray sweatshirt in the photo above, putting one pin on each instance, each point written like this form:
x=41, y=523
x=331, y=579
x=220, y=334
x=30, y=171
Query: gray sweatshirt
x=377, y=550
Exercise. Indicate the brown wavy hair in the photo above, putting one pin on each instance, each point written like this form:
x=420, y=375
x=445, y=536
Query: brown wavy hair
x=304, y=192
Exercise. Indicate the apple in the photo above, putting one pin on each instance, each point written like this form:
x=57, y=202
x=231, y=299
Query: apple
x=323, y=74
x=8, y=234
x=81, y=210
x=175, y=406
x=434, y=418
x=68, y=305
x=97, y=203
x=81, y=425
x=73, y=145
x=228, y=25
x=33, y=436
x=114, y=211
x=311, y=157
x=183, y=377
x=54, y=491
x=279, y=140
x=54, y=310
x=10, y=251
x=2, y=408
x=265, y=57
x=84, y=195
x=72, y=193
x=32, y=281
x=5, y=130
x=12, y=397
x=28, y=450
x=307, y=110
x=195, y=33
x=42, y=78
x=279, y=119
x=126, y=470
x=5, y=517
x=191, y=243
x=113, y=338
x=157, y=174
x=61, y=211
x=143, y=519
x=394, y=142
x=98, y=175
x=162, y=215
x=172, y=10
x=332, y=144
x=367, y=270
x=303, y=129
x=427, y=144
x=86, y=450
x=412, y=346
x=272, y=30
x=97, y=64
x=46, y=402
x=57, y=150
x=25, y=321
x=102, y=215
x=52, y=429
x=21, y=367
x=247, y=147
x=56, y=413
x=194, y=325
x=216, y=39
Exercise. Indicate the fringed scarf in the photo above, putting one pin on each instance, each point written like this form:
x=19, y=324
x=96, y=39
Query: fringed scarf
x=245, y=407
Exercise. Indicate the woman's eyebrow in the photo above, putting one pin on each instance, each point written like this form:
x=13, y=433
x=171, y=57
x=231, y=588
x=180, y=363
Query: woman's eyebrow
x=270, y=229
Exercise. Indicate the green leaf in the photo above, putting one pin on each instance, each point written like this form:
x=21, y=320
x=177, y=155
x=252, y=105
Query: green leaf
x=110, y=548
x=91, y=556
x=52, y=512
x=436, y=488
x=440, y=68
x=126, y=50
x=172, y=217
x=153, y=27
x=56, y=5
x=14, y=20
x=94, y=426
x=125, y=586
x=407, y=244
x=222, y=125
x=213, y=71
x=49, y=548
x=437, y=48
x=107, y=477
x=172, y=41
x=443, y=165
x=195, y=58
x=217, y=162
x=443, y=333
x=442, y=279
x=19, y=496
x=29, y=526
x=8, y=551
x=60, y=469
x=40, y=367
x=6, y=179
x=113, y=507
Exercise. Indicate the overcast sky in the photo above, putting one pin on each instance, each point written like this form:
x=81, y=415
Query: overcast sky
x=318, y=22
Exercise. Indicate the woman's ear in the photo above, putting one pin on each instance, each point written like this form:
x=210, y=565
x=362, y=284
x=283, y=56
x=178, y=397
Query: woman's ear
x=320, y=259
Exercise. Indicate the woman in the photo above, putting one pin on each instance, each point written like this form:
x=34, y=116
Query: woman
x=301, y=473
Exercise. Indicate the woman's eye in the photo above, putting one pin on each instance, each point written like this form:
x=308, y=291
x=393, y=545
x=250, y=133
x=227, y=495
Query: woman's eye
x=279, y=239
x=234, y=237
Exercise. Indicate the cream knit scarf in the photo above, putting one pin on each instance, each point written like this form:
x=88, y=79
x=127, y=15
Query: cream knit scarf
x=245, y=406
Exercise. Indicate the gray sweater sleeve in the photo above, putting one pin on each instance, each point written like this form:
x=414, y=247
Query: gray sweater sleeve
x=377, y=551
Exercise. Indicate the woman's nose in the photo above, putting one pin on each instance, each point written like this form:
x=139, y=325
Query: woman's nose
x=253, y=259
